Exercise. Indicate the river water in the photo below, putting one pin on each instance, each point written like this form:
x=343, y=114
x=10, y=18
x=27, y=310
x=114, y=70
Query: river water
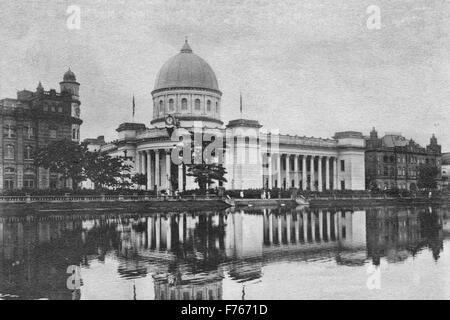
x=385, y=252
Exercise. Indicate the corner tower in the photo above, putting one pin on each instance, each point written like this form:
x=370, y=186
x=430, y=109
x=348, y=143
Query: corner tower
x=69, y=85
x=187, y=87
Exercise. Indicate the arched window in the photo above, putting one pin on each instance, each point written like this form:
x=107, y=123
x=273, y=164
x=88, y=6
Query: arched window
x=9, y=152
x=28, y=153
x=208, y=106
x=197, y=104
x=184, y=104
x=74, y=134
x=217, y=107
x=171, y=106
x=161, y=106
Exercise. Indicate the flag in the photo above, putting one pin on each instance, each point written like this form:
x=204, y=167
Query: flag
x=134, y=107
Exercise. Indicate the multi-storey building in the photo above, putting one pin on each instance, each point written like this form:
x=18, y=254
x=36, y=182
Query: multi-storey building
x=31, y=121
x=393, y=161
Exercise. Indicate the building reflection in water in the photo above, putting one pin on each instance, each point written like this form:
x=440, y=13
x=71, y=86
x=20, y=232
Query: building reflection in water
x=188, y=254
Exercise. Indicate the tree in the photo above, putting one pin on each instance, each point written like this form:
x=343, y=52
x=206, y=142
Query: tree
x=64, y=157
x=427, y=176
x=205, y=174
x=140, y=179
x=106, y=171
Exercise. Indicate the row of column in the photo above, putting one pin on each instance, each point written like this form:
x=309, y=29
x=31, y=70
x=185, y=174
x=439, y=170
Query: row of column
x=331, y=180
x=306, y=226
x=149, y=162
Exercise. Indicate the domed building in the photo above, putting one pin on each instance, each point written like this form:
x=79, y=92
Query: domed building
x=187, y=99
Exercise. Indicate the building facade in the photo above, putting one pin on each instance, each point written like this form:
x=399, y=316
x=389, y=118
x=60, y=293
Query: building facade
x=186, y=89
x=393, y=161
x=31, y=121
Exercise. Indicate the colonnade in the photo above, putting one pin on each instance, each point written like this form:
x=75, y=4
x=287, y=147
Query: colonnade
x=156, y=164
x=317, y=172
x=304, y=226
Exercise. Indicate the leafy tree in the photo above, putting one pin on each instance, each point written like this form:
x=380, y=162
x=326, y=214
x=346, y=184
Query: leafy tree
x=140, y=179
x=427, y=176
x=64, y=157
x=205, y=174
x=106, y=171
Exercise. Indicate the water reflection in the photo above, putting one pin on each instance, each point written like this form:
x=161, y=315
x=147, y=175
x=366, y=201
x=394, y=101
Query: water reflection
x=189, y=255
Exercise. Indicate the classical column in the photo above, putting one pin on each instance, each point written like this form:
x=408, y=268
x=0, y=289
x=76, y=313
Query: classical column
x=336, y=175
x=296, y=183
x=270, y=171
x=137, y=162
x=158, y=231
x=328, y=213
x=311, y=173
x=279, y=170
x=313, y=226
x=304, y=175
x=142, y=162
x=327, y=173
x=296, y=224
x=288, y=167
x=320, y=225
x=288, y=228
x=270, y=228
x=319, y=173
x=169, y=233
x=157, y=165
x=305, y=227
x=168, y=170
x=180, y=177
x=149, y=170
x=280, y=233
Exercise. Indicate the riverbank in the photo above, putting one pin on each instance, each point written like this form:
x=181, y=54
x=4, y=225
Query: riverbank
x=340, y=201
x=112, y=206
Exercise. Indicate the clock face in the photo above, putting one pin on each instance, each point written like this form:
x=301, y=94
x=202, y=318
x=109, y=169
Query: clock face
x=169, y=120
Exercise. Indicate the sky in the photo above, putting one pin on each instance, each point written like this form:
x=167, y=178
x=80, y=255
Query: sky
x=309, y=68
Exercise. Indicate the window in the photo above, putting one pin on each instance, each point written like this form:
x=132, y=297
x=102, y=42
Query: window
x=52, y=133
x=171, y=106
x=45, y=108
x=197, y=104
x=9, y=152
x=184, y=104
x=29, y=132
x=342, y=165
x=74, y=134
x=9, y=131
x=208, y=106
x=28, y=153
x=60, y=109
x=53, y=108
x=8, y=184
x=343, y=185
x=28, y=183
x=161, y=106
x=217, y=107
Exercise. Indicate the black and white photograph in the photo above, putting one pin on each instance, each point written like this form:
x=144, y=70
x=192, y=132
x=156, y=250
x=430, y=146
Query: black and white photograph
x=250, y=151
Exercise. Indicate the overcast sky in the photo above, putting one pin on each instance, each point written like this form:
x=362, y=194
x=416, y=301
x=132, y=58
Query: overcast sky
x=305, y=67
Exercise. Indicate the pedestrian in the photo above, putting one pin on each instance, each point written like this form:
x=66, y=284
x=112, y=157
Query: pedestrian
x=242, y=194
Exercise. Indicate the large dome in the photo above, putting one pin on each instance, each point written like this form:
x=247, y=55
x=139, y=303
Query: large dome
x=186, y=70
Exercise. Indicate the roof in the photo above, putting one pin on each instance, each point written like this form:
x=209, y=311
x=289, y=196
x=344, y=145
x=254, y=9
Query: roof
x=186, y=70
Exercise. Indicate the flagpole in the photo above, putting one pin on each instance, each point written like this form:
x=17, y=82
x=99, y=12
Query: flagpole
x=134, y=108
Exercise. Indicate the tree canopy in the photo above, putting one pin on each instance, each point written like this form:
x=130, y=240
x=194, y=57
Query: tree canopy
x=427, y=176
x=74, y=161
